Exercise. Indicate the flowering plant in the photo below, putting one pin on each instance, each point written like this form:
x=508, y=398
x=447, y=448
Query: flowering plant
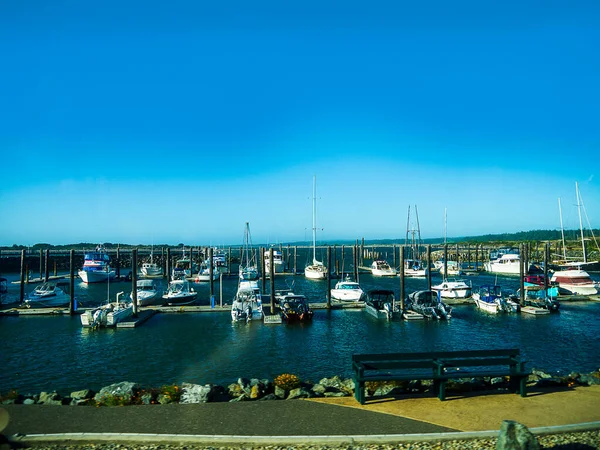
x=287, y=381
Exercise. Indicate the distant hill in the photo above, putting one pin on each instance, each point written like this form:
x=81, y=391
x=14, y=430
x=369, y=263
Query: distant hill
x=521, y=236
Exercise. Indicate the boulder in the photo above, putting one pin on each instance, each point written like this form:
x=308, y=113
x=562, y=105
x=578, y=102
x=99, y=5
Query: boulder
x=280, y=392
x=83, y=394
x=51, y=398
x=164, y=399
x=516, y=436
x=125, y=391
x=300, y=392
x=194, y=393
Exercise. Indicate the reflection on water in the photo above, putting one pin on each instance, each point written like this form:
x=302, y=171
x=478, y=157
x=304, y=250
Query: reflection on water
x=55, y=352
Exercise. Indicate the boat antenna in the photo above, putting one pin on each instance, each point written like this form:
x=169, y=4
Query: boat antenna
x=314, y=219
x=580, y=223
x=562, y=231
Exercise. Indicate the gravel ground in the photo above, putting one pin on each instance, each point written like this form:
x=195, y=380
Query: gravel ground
x=566, y=441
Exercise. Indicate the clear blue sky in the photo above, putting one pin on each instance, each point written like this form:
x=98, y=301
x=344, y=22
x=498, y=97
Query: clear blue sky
x=178, y=121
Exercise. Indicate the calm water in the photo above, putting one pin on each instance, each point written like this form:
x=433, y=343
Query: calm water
x=47, y=353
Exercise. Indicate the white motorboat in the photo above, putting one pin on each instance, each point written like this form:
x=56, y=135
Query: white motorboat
x=150, y=268
x=148, y=293
x=107, y=315
x=96, y=267
x=414, y=268
x=453, y=289
x=247, y=303
x=380, y=304
x=489, y=299
x=575, y=282
x=428, y=304
x=451, y=268
x=381, y=268
x=204, y=272
x=184, y=268
x=179, y=293
x=317, y=270
x=347, y=291
x=278, y=265
x=48, y=295
x=506, y=264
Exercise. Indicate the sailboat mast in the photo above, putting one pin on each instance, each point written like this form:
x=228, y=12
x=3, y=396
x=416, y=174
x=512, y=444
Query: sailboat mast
x=580, y=223
x=445, y=223
x=562, y=232
x=314, y=219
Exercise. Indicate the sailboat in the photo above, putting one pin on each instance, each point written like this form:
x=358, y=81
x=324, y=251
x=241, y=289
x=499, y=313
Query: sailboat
x=413, y=266
x=316, y=270
x=248, y=266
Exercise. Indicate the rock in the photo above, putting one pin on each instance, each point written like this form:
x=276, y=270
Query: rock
x=540, y=374
x=335, y=394
x=300, y=392
x=319, y=389
x=234, y=390
x=255, y=392
x=269, y=397
x=123, y=391
x=194, y=393
x=590, y=379
x=241, y=398
x=516, y=436
x=497, y=382
x=147, y=398
x=51, y=398
x=280, y=392
x=29, y=401
x=83, y=394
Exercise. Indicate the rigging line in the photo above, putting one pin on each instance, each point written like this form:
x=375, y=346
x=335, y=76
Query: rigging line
x=588, y=222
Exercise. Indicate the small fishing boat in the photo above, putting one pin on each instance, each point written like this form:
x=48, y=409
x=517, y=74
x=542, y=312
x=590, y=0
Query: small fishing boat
x=179, y=293
x=508, y=263
x=107, y=315
x=96, y=267
x=148, y=293
x=489, y=299
x=184, y=268
x=204, y=272
x=295, y=308
x=453, y=289
x=428, y=304
x=150, y=268
x=347, y=291
x=247, y=303
x=381, y=304
x=49, y=295
x=414, y=268
x=537, y=297
x=381, y=268
x=278, y=265
x=452, y=268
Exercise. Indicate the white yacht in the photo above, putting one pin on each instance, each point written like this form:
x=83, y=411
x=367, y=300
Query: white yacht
x=247, y=303
x=278, y=265
x=49, y=294
x=381, y=268
x=504, y=263
x=96, y=267
x=150, y=268
x=179, y=293
x=575, y=282
x=347, y=291
x=148, y=293
x=453, y=289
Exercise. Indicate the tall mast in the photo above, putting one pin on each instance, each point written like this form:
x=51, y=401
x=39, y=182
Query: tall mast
x=580, y=223
x=314, y=219
x=562, y=232
x=445, y=234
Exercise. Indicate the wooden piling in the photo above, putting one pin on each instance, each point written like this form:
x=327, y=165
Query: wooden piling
x=41, y=263
x=546, y=258
x=168, y=265
x=163, y=262
x=55, y=273
x=355, y=258
x=328, y=277
x=211, y=271
x=22, y=292
x=262, y=269
x=272, y=279
x=72, y=281
x=134, y=281
x=47, y=265
x=361, y=261
x=429, y=266
x=118, y=259
x=342, y=258
x=521, y=280
x=402, y=288
x=445, y=261
x=295, y=259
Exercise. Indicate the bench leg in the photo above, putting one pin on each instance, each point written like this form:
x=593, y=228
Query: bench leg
x=523, y=386
x=442, y=390
x=359, y=391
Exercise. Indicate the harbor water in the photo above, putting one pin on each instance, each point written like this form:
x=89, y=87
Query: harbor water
x=46, y=353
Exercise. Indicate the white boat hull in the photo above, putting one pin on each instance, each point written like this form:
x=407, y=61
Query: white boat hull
x=96, y=276
x=575, y=281
x=315, y=272
x=384, y=273
x=492, y=308
x=347, y=295
x=151, y=270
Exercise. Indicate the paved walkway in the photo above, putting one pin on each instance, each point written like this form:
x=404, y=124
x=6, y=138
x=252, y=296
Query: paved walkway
x=332, y=417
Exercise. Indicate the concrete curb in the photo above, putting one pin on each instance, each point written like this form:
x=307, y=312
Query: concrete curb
x=275, y=440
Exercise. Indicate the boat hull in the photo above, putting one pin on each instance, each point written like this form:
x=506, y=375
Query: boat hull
x=315, y=272
x=96, y=276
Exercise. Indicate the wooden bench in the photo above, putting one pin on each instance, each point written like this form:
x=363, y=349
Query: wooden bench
x=439, y=367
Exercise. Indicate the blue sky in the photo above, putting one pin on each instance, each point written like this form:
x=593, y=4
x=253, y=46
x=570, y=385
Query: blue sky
x=168, y=122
